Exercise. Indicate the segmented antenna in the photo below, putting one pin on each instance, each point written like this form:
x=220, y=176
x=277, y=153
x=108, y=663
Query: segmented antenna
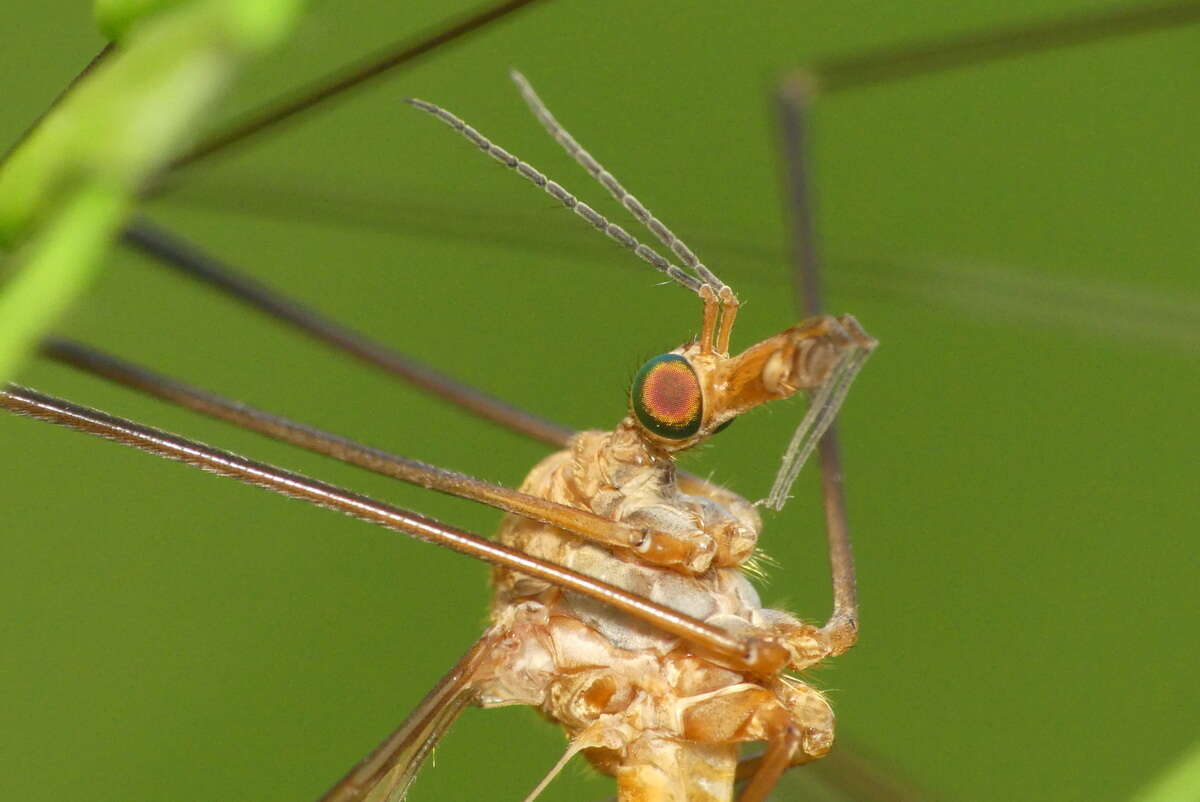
x=556, y=191
x=609, y=181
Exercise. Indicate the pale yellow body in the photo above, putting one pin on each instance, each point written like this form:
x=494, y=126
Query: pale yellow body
x=647, y=708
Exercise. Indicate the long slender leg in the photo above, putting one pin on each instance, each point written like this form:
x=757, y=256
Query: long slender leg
x=854, y=776
x=840, y=632
x=392, y=765
x=95, y=62
x=794, y=102
x=652, y=545
x=172, y=251
x=888, y=65
x=842, y=627
x=847, y=72
x=760, y=655
x=347, y=78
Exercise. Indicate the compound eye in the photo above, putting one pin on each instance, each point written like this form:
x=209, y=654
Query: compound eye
x=666, y=397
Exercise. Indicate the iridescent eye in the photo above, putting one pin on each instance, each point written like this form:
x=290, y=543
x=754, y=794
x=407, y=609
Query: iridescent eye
x=666, y=397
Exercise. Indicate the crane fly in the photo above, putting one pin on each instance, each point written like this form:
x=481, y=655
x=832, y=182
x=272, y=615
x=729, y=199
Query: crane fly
x=148, y=241
x=663, y=710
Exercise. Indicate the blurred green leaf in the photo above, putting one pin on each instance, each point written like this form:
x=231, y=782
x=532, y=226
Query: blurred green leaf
x=54, y=267
x=1020, y=452
x=137, y=109
x=1179, y=783
x=115, y=129
x=115, y=18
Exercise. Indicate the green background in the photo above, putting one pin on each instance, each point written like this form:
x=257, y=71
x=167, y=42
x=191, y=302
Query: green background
x=1021, y=452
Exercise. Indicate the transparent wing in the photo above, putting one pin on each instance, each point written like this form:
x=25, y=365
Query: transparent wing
x=387, y=772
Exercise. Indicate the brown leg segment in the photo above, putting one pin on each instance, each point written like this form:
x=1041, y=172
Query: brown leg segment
x=171, y=251
x=762, y=655
x=654, y=546
x=394, y=763
x=793, y=104
x=773, y=764
x=804, y=735
x=345, y=79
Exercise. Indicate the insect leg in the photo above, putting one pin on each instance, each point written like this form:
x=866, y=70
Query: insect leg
x=792, y=102
x=873, y=67
x=170, y=250
x=775, y=761
x=392, y=765
x=347, y=78
x=694, y=553
x=763, y=655
x=849, y=774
